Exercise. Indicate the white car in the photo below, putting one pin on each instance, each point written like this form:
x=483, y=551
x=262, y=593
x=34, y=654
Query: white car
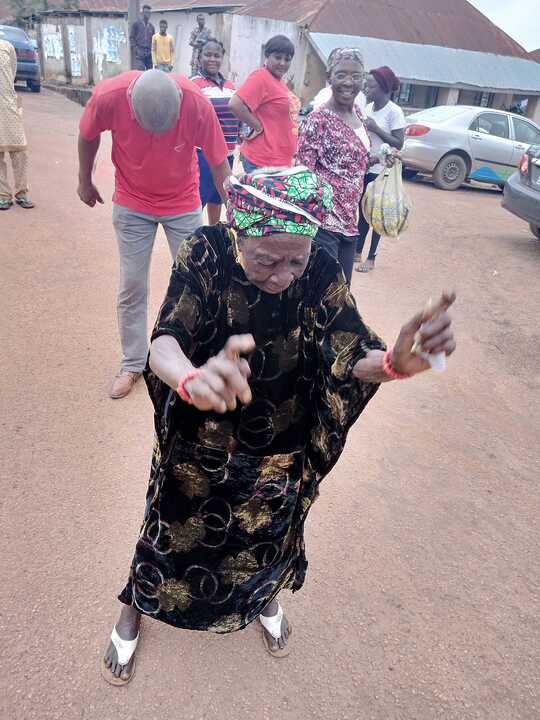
x=459, y=142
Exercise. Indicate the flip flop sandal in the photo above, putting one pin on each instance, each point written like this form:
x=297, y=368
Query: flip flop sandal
x=5, y=204
x=124, y=653
x=273, y=625
x=24, y=202
x=364, y=268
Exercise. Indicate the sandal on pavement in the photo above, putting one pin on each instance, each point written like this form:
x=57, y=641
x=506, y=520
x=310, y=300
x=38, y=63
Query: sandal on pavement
x=364, y=267
x=273, y=626
x=24, y=202
x=5, y=204
x=124, y=653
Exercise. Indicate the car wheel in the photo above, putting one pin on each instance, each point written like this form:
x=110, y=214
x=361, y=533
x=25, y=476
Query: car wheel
x=535, y=229
x=34, y=86
x=409, y=174
x=450, y=172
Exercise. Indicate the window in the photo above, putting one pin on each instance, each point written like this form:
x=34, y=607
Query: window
x=492, y=124
x=525, y=132
x=484, y=99
x=404, y=95
x=432, y=97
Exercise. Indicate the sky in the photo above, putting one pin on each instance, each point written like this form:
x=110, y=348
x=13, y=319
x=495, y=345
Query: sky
x=518, y=18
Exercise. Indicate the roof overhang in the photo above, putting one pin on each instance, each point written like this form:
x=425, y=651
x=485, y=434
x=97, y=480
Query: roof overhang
x=440, y=66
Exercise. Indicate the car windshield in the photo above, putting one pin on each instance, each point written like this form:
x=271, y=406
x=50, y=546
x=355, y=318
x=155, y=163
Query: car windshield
x=438, y=114
x=11, y=33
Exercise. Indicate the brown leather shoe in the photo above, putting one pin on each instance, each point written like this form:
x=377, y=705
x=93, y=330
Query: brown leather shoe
x=123, y=384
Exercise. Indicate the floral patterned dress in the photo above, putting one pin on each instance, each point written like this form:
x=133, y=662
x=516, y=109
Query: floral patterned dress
x=331, y=148
x=229, y=494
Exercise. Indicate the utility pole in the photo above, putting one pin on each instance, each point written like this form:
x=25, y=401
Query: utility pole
x=133, y=15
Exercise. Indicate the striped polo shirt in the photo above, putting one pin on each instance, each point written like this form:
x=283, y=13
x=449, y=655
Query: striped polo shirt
x=219, y=94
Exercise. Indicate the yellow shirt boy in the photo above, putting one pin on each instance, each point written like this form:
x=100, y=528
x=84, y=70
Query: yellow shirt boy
x=163, y=51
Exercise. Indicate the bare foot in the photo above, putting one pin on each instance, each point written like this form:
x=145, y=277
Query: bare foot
x=277, y=646
x=127, y=628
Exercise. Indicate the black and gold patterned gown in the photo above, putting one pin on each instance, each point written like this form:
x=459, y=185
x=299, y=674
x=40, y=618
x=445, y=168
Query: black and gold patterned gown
x=228, y=494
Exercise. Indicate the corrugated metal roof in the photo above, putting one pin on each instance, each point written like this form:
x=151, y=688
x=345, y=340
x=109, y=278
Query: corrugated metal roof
x=97, y=6
x=434, y=65
x=449, y=23
x=122, y=5
x=211, y=5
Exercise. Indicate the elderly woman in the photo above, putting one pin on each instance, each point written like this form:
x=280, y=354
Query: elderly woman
x=334, y=143
x=259, y=365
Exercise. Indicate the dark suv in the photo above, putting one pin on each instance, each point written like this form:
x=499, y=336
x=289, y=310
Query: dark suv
x=27, y=62
x=522, y=190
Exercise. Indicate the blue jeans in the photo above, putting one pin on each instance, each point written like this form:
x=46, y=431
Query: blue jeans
x=249, y=167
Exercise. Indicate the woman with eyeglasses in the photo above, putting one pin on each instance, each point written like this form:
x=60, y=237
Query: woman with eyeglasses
x=334, y=144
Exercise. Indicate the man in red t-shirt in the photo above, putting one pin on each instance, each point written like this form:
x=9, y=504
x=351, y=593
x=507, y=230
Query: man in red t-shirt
x=156, y=121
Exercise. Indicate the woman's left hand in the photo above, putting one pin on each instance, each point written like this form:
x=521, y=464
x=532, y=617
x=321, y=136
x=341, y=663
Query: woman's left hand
x=435, y=328
x=372, y=126
x=391, y=159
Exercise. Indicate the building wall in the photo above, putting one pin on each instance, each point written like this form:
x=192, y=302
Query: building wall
x=243, y=37
x=248, y=37
x=97, y=45
x=54, y=68
x=109, y=47
x=533, y=109
x=315, y=77
x=78, y=52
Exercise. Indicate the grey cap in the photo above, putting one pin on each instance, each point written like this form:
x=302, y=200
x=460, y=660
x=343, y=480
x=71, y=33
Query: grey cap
x=155, y=100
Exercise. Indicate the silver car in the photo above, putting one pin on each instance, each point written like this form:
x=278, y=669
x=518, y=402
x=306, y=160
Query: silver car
x=459, y=142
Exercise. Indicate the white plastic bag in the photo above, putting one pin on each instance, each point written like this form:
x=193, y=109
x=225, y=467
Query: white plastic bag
x=385, y=205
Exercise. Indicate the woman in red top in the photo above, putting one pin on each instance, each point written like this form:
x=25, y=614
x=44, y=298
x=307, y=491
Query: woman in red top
x=266, y=105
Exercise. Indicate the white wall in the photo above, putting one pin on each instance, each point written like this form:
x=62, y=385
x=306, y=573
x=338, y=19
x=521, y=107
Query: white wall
x=243, y=37
x=53, y=52
x=109, y=46
x=249, y=35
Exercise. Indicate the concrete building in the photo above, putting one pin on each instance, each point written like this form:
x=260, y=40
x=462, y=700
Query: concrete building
x=444, y=52
x=84, y=45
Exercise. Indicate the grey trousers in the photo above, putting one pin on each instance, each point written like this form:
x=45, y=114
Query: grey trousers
x=136, y=233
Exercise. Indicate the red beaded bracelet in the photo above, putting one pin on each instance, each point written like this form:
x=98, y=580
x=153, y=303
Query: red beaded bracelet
x=389, y=370
x=181, y=390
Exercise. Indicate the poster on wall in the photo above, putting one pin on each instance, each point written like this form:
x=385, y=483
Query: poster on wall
x=75, y=54
x=107, y=43
x=52, y=45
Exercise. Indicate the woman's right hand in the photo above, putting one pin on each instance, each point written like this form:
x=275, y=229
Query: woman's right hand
x=255, y=132
x=223, y=380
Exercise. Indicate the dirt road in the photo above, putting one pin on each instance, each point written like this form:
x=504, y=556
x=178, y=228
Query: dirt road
x=422, y=597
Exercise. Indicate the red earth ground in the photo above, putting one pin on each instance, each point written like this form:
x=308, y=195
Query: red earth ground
x=421, y=600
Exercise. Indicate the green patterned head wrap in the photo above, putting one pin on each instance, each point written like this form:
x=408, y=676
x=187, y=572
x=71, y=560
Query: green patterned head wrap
x=294, y=201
